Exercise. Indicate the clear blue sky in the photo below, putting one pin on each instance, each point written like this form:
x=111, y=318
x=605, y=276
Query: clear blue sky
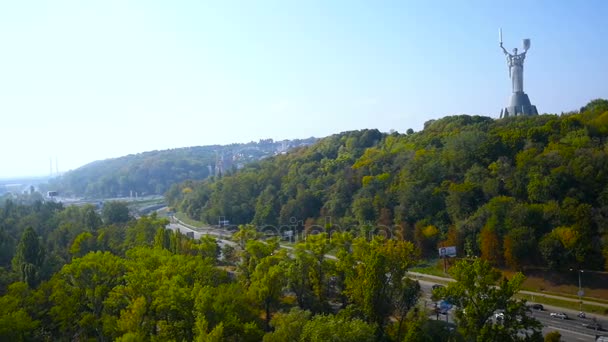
x=89, y=80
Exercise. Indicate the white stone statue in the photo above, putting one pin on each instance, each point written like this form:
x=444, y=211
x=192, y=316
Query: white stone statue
x=516, y=66
x=520, y=102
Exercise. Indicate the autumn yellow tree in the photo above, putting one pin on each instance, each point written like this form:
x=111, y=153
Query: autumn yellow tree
x=490, y=246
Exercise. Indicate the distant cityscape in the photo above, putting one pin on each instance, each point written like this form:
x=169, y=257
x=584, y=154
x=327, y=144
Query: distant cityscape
x=228, y=157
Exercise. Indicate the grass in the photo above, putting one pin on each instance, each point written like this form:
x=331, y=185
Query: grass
x=184, y=218
x=558, y=284
x=432, y=267
x=566, y=284
x=592, y=299
x=163, y=211
x=588, y=308
x=145, y=201
x=566, y=304
x=288, y=243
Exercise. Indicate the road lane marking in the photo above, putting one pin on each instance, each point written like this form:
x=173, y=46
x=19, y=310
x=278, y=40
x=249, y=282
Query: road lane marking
x=569, y=331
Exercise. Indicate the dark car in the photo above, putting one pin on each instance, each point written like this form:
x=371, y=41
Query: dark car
x=594, y=326
x=538, y=307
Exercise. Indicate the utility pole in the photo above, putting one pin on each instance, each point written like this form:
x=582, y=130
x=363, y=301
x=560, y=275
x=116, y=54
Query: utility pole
x=580, y=293
x=580, y=290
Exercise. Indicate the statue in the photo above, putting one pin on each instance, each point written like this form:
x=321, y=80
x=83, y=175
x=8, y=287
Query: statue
x=520, y=103
x=516, y=67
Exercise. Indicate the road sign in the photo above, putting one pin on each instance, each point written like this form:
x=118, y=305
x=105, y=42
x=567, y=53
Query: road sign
x=581, y=293
x=444, y=306
x=449, y=251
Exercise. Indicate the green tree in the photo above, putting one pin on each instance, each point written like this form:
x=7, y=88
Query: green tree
x=553, y=251
x=29, y=257
x=142, y=232
x=553, y=336
x=267, y=283
x=478, y=295
x=518, y=245
x=297, y=273
x=338, y=329
x=204, y=335
x=378, y=285
x=158, y=291
x=16, y=323
x=252, y=255
x=91, y=220
x=244, y=234
x=308, y=272
x=404, y=300
x=115, y=212
x=345, y=264
x=318, y=246
x=7, y=248
x=207, y=247
x=80, y=290
x=83, y=244
x=162, y=239
x=229, y=307
x=267, y=207
x=288, y=326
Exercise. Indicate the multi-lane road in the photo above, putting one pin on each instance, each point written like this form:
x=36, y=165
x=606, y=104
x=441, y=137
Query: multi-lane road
x=571, y=329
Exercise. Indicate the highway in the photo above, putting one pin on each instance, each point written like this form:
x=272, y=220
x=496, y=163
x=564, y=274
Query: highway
x=573, y=326
x=571, y=329
x=221, y=236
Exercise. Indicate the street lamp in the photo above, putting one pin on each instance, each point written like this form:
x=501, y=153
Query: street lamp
x=580, y=293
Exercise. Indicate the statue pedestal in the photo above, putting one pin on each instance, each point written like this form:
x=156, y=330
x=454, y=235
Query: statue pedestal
x=520, y=105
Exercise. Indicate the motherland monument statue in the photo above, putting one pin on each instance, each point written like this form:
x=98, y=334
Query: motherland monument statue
x=520, y=103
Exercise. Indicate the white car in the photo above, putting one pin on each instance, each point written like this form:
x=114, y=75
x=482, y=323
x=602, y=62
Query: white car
x=560, y=315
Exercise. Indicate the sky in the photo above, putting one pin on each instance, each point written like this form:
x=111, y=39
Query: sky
x=87, y=80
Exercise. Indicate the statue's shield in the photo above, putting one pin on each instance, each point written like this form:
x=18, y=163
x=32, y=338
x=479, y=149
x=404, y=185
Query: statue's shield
x=526, y=44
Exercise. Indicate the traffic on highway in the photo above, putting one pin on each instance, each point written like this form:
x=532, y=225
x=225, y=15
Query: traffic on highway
x=573, y=326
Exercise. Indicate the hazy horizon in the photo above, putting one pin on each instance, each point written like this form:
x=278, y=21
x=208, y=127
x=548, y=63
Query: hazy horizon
x=89, y=81
x=53, y=174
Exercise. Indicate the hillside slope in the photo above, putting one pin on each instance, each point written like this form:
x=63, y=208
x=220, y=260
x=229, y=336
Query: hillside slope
x=517, y=191
x=154, y=172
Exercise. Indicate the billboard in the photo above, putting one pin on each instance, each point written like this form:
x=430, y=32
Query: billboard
x=449, y=252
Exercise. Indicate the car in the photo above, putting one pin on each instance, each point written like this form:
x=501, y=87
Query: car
x=437, y=286
x=499, y=316
x=538, y=307
x=595, y=326
x=559, y=315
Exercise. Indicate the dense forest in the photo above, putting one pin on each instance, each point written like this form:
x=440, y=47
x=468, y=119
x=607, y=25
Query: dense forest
x=521, y=191
x=73, y=274
x=153, y=172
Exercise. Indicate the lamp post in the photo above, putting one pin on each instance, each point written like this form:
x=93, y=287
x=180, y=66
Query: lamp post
x=580, y=293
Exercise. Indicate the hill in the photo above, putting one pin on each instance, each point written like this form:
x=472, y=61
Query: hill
x=153, y=172
x=522, y=191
